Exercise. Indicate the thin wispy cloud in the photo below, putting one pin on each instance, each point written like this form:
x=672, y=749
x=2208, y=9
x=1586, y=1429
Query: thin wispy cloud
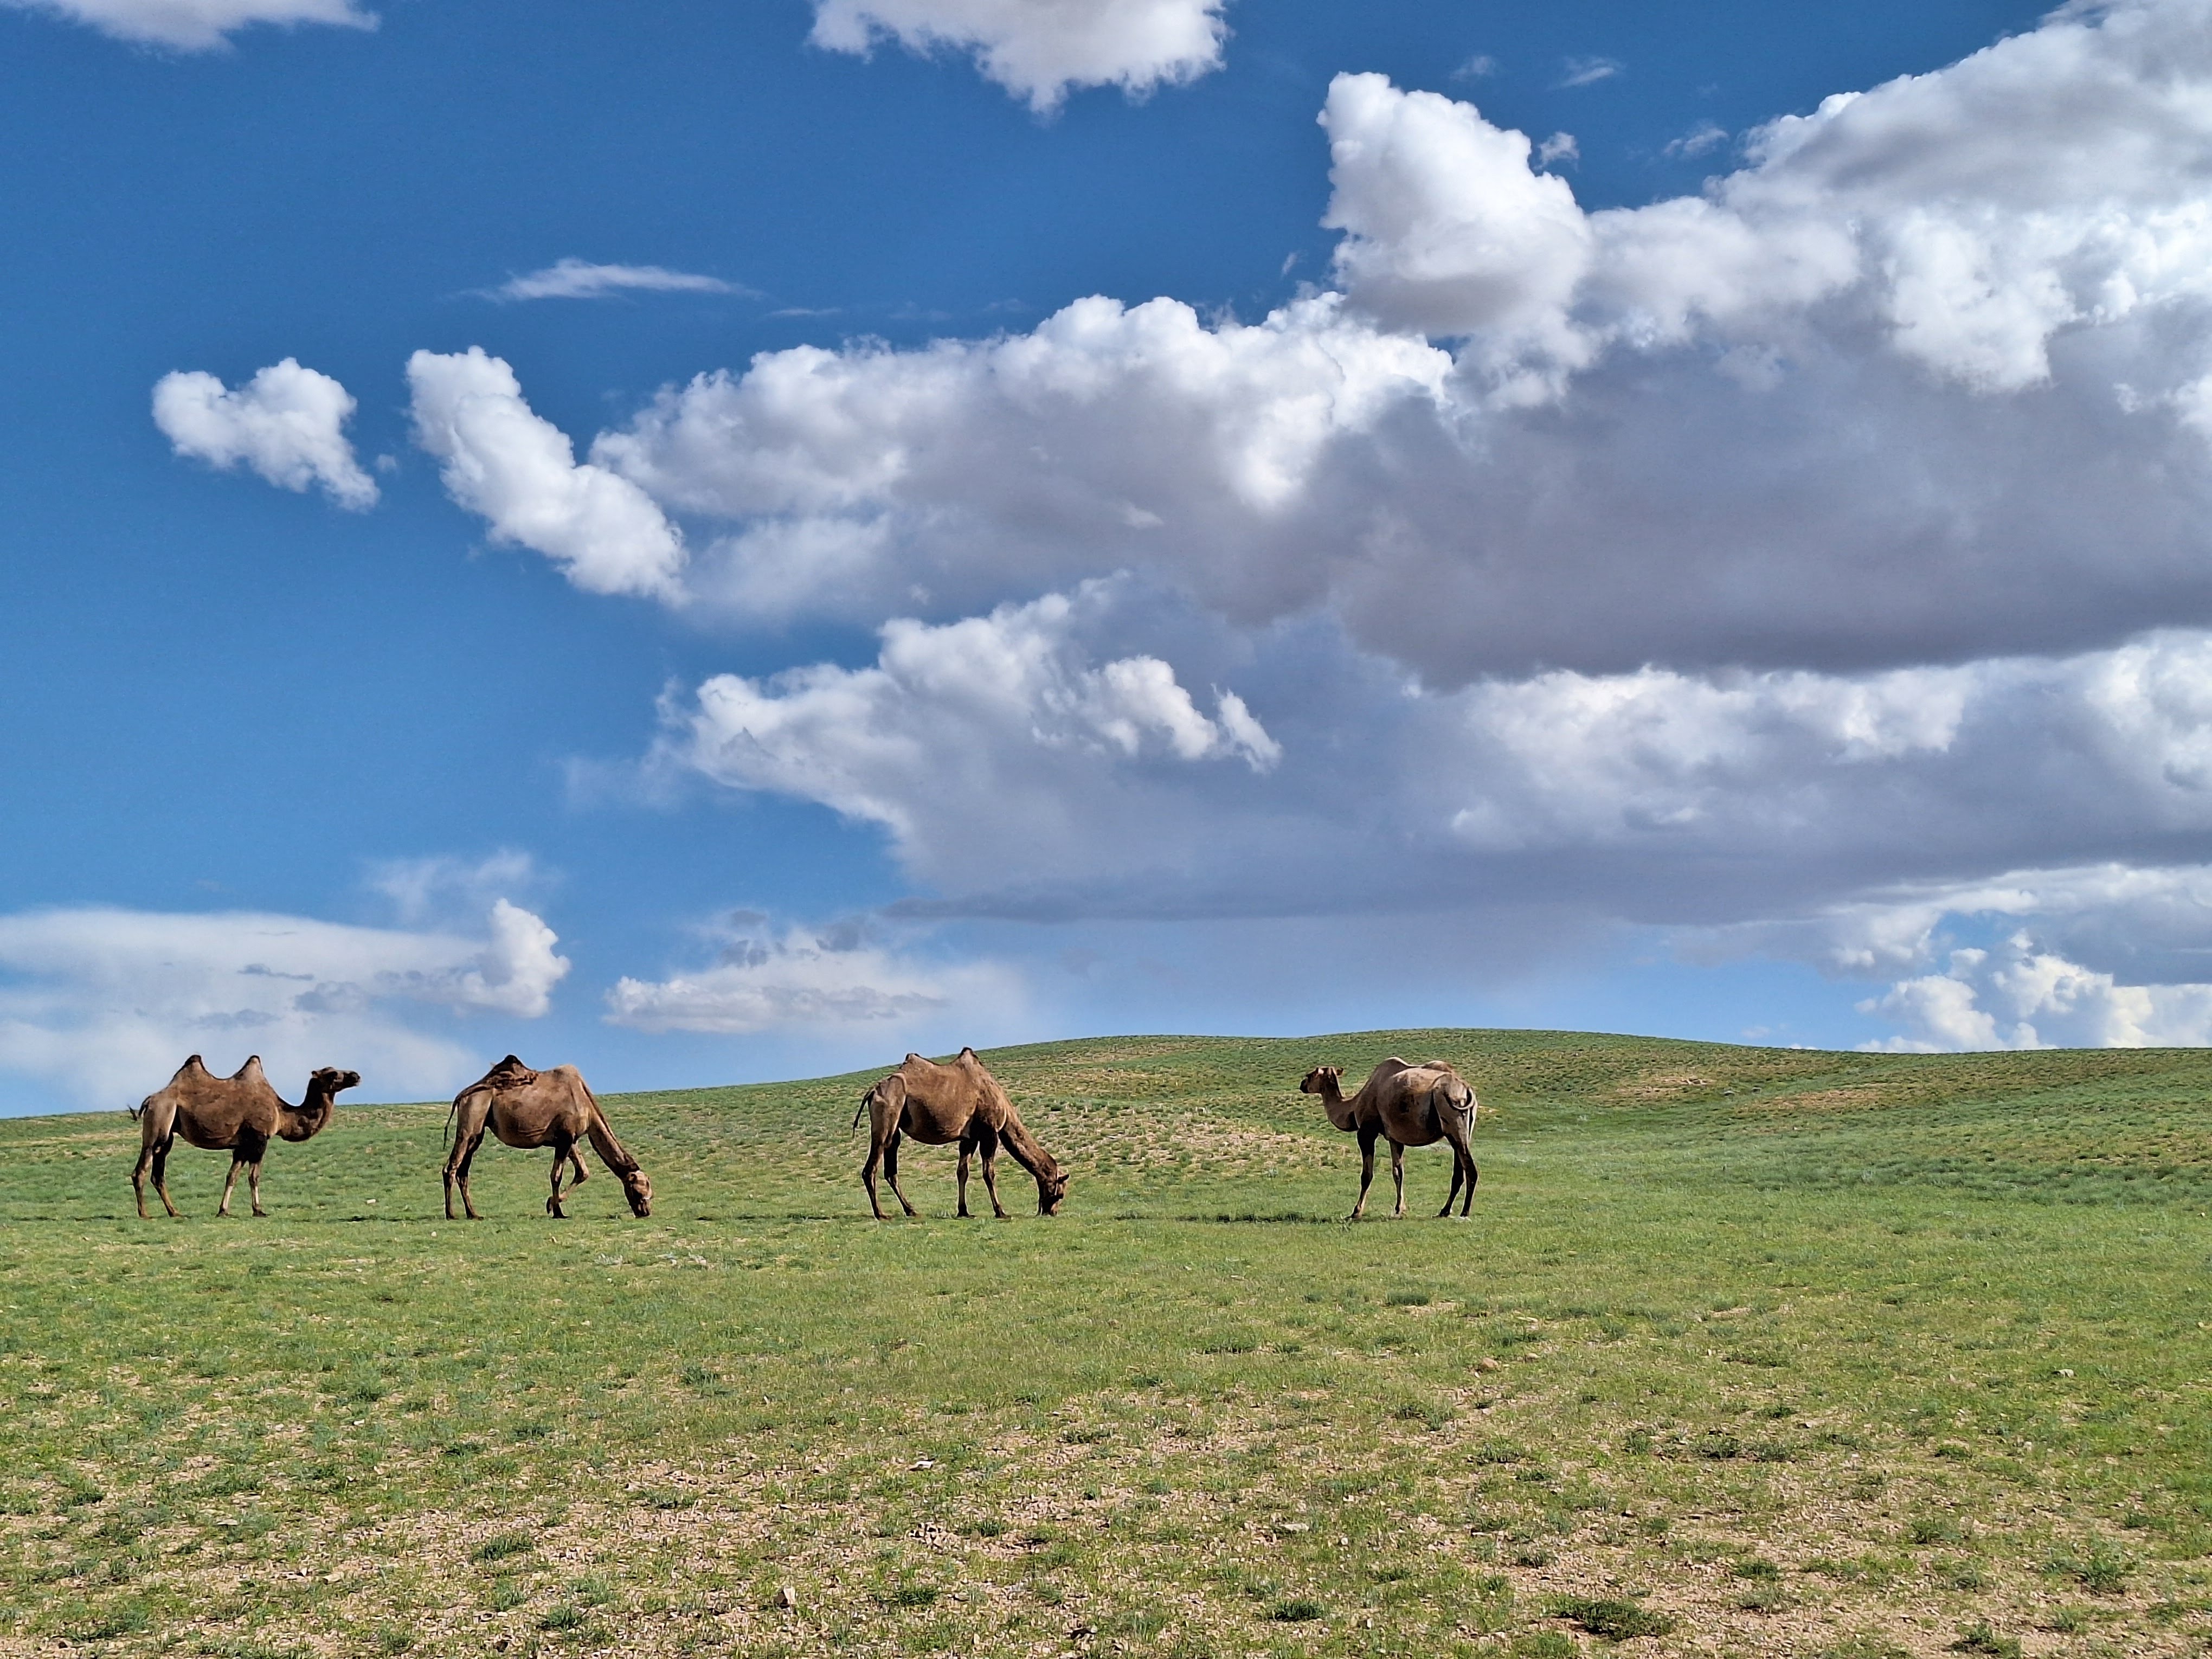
x=1705, y=137
x=196, y=25
x=1588, y=71
x=1477, y=68
x=579, y=279
x=1559, y=147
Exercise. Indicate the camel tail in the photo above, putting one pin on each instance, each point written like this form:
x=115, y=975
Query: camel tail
x=1462, y=1099
x=860, y=1114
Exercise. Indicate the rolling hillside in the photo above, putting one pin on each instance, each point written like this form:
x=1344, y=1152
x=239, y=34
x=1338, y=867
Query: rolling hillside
x=1750, y=1350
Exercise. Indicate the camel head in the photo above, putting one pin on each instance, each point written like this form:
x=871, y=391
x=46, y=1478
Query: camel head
x=1321, y=1079
x=637, y=1186
x=331, y=1079
x=1051, y=1189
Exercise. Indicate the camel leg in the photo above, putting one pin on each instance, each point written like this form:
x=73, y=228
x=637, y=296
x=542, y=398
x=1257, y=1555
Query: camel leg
x=966, y=1147
x=1452, y=1196
x=471, y=1114
x=461, y=1174
x=868, y=1174
x=1366, y=1171
x=1397, y=1175
x=161, y=1175
x=576, y=1163
x=229, y=1182
x=138, y=1180
x=991, y=1176
x=890, y=1174
x=561, y=1155
x=253, y=1186
x=159, y=1152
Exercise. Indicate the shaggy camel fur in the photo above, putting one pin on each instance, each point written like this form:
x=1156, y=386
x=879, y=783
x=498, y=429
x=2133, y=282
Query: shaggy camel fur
x=1410, y=1106
x=940, y=1104
x=237, y=1114
x=528, y=1108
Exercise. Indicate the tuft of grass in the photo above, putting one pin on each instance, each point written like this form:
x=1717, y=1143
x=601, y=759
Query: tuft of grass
x=1297, y=1610
x=501, y=1546
x=1430, y=1413
x=1978, y=1637
x=2101, y=1569
x=1615, y=1620
x=1935, y=1528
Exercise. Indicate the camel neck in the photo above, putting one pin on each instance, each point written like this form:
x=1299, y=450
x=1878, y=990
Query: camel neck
x=311, y=1113
x=1340, y=1109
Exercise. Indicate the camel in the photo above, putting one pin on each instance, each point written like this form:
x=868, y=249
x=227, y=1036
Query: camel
x=1410, y=1105
x=528, y=1108
x=236, y=1115
x=939, y=1105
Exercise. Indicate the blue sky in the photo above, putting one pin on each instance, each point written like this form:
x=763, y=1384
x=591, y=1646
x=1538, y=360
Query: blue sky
x=655, y=537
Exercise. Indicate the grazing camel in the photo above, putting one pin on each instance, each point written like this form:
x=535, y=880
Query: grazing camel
x=236, y=1115
x=1409, y=1105
x=528, y=1108
x=940, y=1104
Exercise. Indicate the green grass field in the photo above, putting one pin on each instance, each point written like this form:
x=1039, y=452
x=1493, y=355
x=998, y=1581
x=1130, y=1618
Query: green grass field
x=1749, y=1351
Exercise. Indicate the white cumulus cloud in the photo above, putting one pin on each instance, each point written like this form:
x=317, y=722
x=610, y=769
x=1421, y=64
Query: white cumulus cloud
x=1923, y=380
x=196, y=25
x=288, y=424
x=765, y=979
x=1110, y=436
x=995, y=748
x=1040, y=49
x=516, y=469
x=2018, y=995
x=106, y=1003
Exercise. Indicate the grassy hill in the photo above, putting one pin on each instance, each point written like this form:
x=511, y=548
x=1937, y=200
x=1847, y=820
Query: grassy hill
x=1756, y=1351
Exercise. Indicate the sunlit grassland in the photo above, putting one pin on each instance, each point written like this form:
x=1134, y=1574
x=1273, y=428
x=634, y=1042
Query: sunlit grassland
x=1765, y=1351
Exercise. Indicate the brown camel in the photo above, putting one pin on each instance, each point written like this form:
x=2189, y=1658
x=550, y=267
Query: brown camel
x=236, y=1115
x=528, y=1108
x=939, y=1105
x=1410, y=1106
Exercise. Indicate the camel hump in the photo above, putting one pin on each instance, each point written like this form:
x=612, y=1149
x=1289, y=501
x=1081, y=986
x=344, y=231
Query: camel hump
x=969, y=1054
x=249, y=1071
x=911, y=1056
x=193, y=1065
x=510, y=1073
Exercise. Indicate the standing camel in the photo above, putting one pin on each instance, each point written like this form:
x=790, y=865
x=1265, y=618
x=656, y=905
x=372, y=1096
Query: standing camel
x=236, y=1115
x=939, y=1105
x=1409, y=1105
x=528, y=1108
